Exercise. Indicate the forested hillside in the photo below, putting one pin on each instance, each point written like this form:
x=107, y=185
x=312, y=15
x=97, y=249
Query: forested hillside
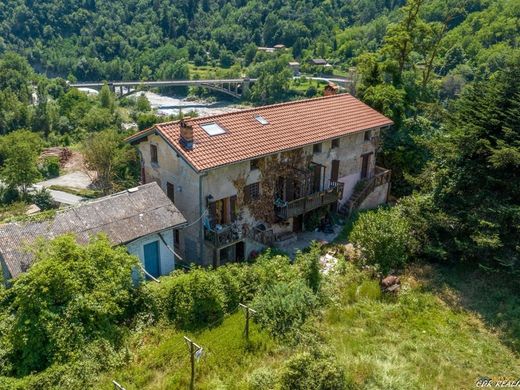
x=129, y=39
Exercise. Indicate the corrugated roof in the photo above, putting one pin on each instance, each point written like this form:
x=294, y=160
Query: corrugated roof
x=291, y=125
x=123, y=217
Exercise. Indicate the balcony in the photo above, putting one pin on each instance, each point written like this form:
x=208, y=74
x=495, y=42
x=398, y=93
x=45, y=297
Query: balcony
x=223, y=235
x=286, y=210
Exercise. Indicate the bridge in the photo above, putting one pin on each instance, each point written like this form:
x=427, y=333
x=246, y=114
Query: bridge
x=232, y=87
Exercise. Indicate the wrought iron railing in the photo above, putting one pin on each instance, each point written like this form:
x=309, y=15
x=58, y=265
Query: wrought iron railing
x=310, y=202
x=381, y=176
x=223, y=235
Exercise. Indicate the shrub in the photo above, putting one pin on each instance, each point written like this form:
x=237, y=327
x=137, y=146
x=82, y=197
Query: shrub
x=229, y=277
x=312, y=370
x=43, y=199
x=262, y=379
x=284, y=307
x=51, y=167
x=9, y=195
x=384, y=237
x=194, y=299
x=309, y=266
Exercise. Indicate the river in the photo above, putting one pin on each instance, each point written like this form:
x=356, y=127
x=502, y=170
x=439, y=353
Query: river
x=171, y=105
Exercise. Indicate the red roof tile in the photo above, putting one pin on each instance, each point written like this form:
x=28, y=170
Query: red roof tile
x=291, y=125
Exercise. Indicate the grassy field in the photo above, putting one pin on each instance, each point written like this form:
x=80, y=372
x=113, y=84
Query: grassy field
x=447, y=328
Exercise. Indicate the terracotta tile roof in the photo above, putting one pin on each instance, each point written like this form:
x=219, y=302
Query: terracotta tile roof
x=291, y=125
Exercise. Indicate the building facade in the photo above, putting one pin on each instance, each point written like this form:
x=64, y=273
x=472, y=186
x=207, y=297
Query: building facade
x=249, y=179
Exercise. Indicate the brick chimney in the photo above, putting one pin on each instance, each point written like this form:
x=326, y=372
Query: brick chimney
x=330, y=89
x=186, y=138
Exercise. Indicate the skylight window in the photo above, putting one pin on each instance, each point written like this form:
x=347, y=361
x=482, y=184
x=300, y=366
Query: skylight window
x=213, y=129
x=262, y=120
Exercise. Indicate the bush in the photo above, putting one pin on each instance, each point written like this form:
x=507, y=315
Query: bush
x=384, y=237
x=50, y=167
x=312, y=370
x=261, y=379
x=9, y=195
x=309, y=266
x=284, y=307
x=311, y=91
x=194, y=299
x=43, y=199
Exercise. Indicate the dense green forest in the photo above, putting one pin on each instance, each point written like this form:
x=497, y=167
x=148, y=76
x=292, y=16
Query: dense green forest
x=448, y=74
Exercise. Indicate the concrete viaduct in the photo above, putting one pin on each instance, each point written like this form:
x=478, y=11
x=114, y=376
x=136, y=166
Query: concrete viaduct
x=232, y=87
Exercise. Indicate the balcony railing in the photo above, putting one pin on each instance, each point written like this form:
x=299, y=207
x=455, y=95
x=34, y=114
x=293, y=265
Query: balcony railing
x=286, y=210
x=223, y=235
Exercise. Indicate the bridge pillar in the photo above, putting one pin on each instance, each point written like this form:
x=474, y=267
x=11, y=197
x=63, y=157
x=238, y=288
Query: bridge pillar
x=246, y=84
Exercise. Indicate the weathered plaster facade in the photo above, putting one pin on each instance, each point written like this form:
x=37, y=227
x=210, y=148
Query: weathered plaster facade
x=192, y=189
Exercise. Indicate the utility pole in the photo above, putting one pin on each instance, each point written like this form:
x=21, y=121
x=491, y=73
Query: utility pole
x=195, y=352
x=249, y=313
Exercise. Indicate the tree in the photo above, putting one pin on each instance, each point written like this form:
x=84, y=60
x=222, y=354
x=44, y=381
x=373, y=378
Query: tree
x=20, y=151
x=273, y=81
x=106, y=98
x=399, y=41
x=114, y=161
x=474, y=176
x=71, y=296
x=143, y=104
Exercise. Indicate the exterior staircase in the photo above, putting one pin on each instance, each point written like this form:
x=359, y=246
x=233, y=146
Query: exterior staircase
x=363, y=189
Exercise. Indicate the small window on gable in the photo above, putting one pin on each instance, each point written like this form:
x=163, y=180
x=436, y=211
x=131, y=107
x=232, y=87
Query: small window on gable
x=213, y=129
x=368, y=134
x=335, y=143
x=254, y=164
x=316, y=148
x=153, y=154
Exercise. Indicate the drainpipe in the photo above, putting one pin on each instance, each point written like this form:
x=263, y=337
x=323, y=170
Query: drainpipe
x=202, y=204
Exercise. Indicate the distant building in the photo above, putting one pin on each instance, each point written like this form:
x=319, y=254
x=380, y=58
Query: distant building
x=318, y=62
x=279, y=47
x=265, y=49
x=295, y=67
x=250, y=177
x=143, y=219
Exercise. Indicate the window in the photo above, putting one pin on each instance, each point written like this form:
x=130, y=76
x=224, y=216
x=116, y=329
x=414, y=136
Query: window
x=254, y=164
x=213, y=129
x=153, y=153
x=262, y=120
x=170, y=191
x=316, y=148
x=223, y=211
x=367, y=135
x=251, y=192
x=335, y=143
x=176, y=239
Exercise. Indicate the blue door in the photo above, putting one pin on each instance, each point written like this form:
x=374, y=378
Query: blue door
x=152, y=258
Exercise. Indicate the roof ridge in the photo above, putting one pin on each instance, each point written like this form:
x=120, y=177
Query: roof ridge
x=260, y=108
